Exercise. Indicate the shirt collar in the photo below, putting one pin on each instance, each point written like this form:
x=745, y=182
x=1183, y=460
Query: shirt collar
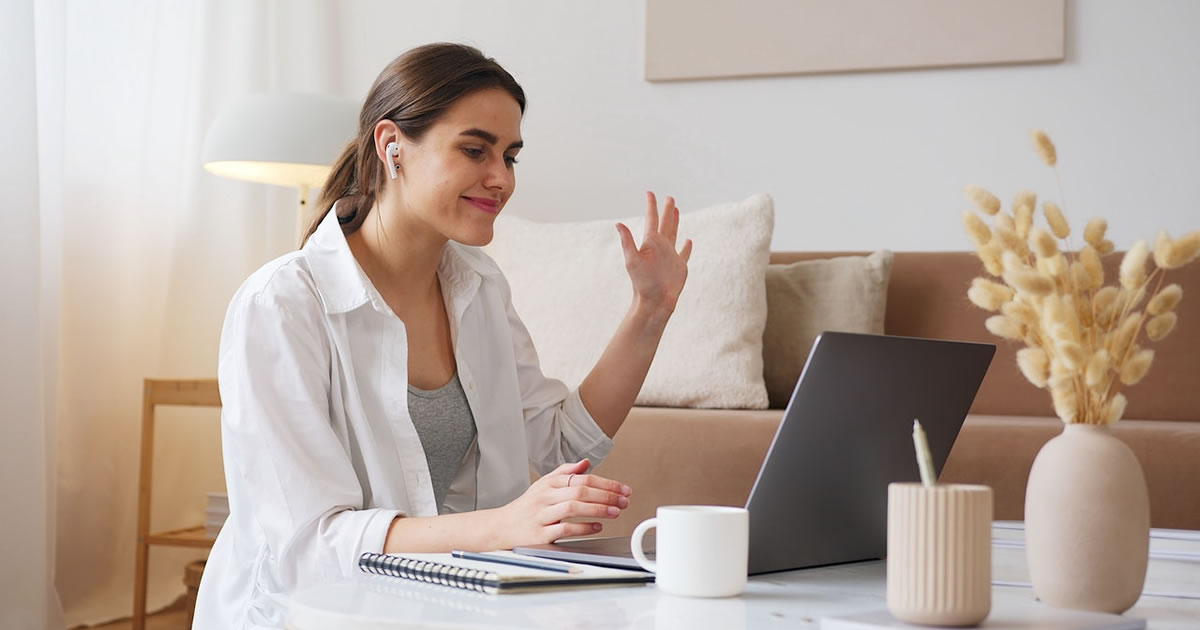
x=344, y=286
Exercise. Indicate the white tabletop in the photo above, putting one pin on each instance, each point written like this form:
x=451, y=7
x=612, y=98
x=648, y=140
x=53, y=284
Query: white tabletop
x=793, y=600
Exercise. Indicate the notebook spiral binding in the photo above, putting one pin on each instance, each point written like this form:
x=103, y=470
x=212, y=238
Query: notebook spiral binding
x=423, y=571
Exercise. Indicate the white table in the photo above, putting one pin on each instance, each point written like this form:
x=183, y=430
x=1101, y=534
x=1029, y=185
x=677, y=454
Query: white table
x=793, y=600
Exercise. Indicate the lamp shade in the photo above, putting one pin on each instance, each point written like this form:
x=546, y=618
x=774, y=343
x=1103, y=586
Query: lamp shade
x=281, y=139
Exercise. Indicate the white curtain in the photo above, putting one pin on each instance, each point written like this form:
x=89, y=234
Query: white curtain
x=149, y=248
x=27, y=337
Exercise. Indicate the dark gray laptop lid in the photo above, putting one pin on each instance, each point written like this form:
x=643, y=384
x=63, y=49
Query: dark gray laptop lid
x=821, y=494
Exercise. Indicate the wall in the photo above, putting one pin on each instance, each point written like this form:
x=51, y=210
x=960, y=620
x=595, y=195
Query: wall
x=853, y=160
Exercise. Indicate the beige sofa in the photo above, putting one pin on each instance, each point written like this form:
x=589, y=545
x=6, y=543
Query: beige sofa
x=672, y=456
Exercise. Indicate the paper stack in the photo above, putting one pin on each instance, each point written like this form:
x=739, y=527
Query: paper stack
x=216, y=513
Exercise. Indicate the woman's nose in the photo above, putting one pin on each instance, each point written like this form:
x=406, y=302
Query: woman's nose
x=499, y=176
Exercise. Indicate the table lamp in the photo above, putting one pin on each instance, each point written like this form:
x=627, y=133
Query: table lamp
x=281, y=139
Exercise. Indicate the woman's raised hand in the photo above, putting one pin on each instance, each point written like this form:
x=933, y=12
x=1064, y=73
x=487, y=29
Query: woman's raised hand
x=536, y=517
x=655, y=268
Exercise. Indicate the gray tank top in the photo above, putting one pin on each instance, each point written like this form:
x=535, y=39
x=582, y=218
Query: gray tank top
x=446, y=426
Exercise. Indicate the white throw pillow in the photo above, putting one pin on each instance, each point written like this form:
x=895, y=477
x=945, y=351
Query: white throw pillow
x=570, y=288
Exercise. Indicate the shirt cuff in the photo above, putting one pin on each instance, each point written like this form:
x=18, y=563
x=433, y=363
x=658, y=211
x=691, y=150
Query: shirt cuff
x=376, y=532
x=582, y=430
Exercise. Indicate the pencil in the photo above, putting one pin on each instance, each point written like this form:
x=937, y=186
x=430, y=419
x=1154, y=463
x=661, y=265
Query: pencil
x=924, y=460
x=529, y=563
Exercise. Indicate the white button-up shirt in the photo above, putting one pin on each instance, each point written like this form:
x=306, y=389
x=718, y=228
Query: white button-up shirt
x=320, y=452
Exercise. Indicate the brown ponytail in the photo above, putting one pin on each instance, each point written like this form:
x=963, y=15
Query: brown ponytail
x=414, y=91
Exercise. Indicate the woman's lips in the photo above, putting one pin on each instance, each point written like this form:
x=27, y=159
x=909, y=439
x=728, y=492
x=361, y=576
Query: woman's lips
x=490, y=206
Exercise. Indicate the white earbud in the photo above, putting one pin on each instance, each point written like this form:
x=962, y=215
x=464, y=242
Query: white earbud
x=393, y=151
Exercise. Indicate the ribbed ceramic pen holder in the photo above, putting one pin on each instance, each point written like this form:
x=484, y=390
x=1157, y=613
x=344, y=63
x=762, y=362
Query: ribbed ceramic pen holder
x=939, y=564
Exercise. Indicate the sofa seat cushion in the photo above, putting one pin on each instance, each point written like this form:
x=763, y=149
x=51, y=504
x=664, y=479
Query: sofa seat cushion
x=686, y=456
x=691, y=456
x=999, y=451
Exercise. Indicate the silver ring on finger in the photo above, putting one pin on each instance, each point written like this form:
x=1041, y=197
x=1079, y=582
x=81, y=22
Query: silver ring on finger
x=569, y=478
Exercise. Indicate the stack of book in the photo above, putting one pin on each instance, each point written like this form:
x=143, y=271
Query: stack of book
x=216, y=513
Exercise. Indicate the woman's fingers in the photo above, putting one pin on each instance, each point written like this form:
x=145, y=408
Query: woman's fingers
x=591, y=495
x=568, y=530
x=580, y=509
x=670, y=221
x=686, y=252
x=628, y=247
x=651, y=215
x=599, y=483
x=558, y=476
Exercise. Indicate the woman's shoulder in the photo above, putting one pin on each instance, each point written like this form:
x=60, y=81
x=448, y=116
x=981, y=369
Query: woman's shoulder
x=285, y=282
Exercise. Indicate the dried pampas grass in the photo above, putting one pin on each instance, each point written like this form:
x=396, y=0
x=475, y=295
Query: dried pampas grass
x=984, y=200
x=1082, y=337
x=1089, y=258
x=1165, y=300
x=1024, y=206
x=1044, y=147
x=988, y=295
x=1136, y=367
x=1034, y=365
x=1002, y=326
x=1160, y=326
x=1093, y=233
x=1043, y=244
x=1133, y=266
x=1055, y=219
x=976, y=229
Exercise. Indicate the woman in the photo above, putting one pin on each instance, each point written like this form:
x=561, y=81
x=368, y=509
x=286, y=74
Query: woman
x=379, y=390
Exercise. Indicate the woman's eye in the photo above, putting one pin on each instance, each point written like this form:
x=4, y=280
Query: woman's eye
x=510, y=160
x=472, y=152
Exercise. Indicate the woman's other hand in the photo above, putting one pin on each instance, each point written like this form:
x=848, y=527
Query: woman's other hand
x=657, y=271
x=538, y=515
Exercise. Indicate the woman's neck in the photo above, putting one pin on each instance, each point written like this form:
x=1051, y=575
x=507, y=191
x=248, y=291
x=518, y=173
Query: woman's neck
x=398, y=253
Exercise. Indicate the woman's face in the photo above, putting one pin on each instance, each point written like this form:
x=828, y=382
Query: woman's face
x=461, y=173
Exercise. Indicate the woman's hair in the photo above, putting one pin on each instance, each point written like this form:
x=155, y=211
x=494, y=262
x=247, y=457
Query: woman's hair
x=414, y=91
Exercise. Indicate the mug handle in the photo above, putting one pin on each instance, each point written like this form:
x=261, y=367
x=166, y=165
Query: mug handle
x=635, y=545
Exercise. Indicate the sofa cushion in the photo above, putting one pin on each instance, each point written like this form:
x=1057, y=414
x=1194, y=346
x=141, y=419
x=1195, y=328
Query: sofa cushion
x=804, y=299
x=570, y=288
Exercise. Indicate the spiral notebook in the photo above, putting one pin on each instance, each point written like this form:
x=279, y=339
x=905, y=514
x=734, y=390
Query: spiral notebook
x=492, y=577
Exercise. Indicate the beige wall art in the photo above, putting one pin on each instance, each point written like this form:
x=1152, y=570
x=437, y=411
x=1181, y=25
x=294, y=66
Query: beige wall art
x=704, y=39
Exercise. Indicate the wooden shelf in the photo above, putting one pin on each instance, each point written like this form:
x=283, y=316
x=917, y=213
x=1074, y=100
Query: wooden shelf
x=186, y=537
x=196, y=392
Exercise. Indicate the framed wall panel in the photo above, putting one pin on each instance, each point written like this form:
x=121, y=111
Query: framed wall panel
x=702, y=39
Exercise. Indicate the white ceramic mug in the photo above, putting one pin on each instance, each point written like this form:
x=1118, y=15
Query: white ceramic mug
x=701, y=549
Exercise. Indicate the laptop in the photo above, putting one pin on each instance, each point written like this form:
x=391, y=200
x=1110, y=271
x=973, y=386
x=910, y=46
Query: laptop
x=821, y=494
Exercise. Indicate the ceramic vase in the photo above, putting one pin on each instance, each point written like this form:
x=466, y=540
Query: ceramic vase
x=1087, y=521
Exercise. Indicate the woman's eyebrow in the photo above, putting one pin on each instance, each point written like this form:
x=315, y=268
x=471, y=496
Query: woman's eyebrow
x=489, y=137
